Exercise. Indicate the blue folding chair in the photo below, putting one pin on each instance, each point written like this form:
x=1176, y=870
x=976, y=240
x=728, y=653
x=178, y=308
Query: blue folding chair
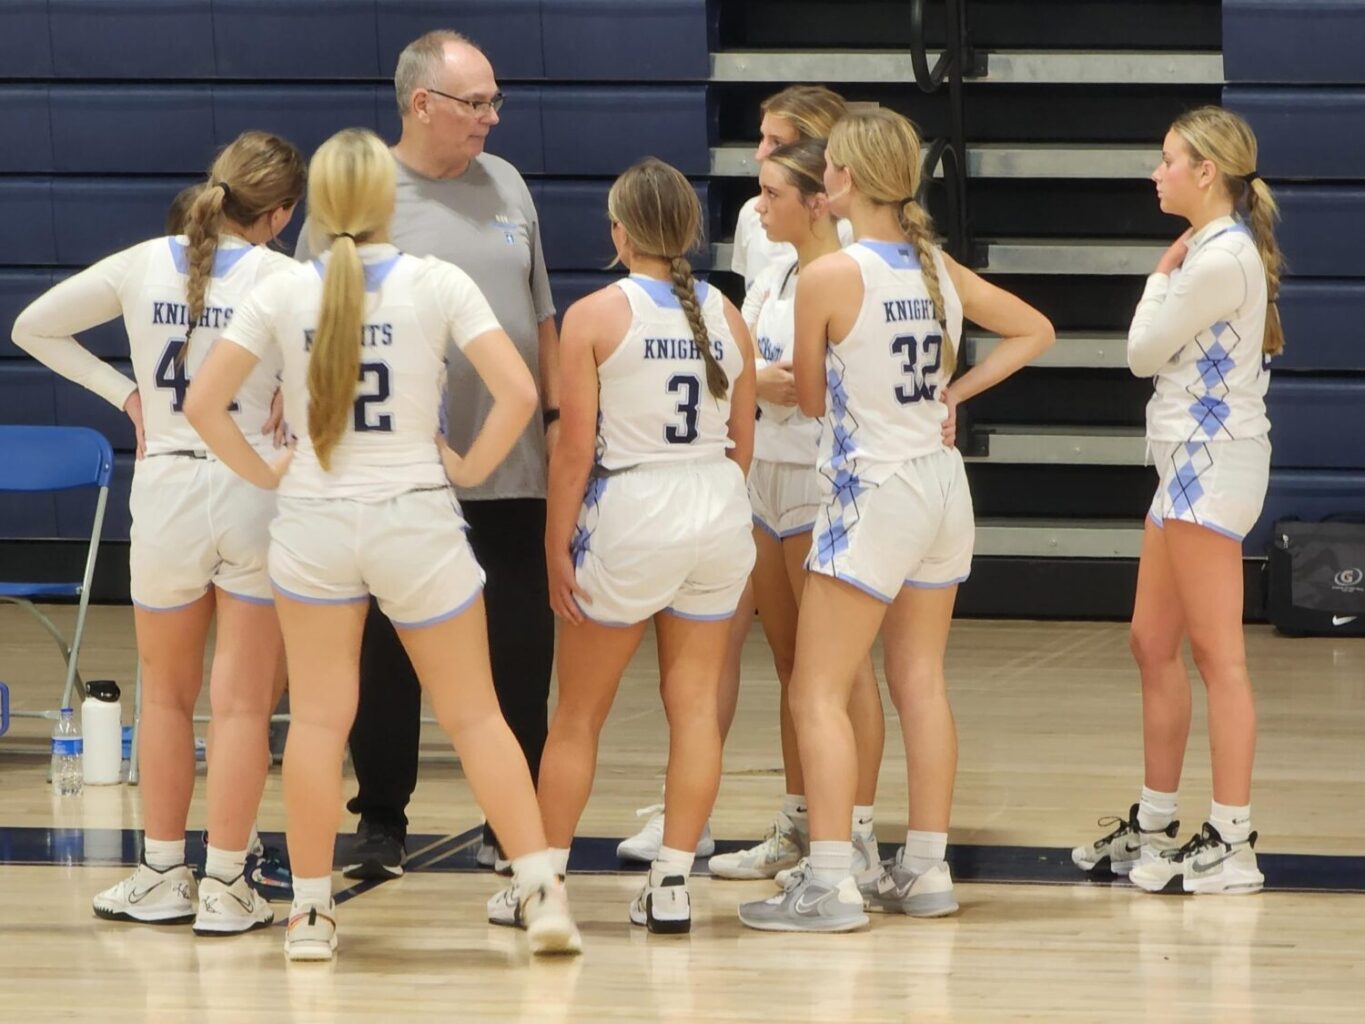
x=46, y=459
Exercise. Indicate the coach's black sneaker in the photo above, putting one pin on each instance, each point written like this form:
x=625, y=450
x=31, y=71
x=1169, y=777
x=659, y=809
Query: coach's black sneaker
x=378, y=852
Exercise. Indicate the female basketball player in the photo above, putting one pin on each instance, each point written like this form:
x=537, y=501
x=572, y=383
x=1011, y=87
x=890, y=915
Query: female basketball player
x=199, y=533
x=785, y=493
x=648, y=518
x=366, y=507
x=797, y=112
x=877, y=331
x=1205, y=329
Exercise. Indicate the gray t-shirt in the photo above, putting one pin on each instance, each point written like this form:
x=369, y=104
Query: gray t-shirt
x=485, y=223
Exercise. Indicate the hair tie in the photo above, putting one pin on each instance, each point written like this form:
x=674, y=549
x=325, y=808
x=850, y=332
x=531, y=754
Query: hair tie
x=344, y=234
x=227, y=192
x=1254, y=176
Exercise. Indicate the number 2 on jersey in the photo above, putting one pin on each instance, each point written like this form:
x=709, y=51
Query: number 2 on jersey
x=918, y=369
x=374, y=381
x=689, y=386
x=171, y=375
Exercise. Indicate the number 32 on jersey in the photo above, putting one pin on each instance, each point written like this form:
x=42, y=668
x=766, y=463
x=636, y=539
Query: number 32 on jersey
x=921, y=359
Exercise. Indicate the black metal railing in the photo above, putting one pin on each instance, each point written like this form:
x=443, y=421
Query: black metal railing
x=957, y=60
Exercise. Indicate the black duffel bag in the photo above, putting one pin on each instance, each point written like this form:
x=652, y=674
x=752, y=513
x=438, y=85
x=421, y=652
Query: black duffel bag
x=1317, y=577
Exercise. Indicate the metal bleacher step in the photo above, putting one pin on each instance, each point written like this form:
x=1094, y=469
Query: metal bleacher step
x=1091, y=350
x=1100, y=256
x=997, y=160
x=1054, y=256
x=1012, y=67
x=1038, y=444
x=1058, y=538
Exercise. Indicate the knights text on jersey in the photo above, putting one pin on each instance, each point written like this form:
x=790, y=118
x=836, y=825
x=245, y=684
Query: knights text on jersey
x=884, y=379
x=413, y=308
x=654, y=405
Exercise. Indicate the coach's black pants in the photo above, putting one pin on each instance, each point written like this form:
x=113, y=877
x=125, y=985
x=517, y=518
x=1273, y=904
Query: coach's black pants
x=508, y=538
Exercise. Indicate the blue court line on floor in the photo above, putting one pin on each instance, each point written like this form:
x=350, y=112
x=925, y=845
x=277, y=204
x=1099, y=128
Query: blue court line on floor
x=1036, y=865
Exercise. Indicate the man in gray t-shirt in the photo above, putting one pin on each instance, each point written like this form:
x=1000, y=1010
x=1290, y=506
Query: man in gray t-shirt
x=463, y=205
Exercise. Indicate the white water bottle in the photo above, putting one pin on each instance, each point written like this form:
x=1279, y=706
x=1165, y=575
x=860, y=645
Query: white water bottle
x=101, y=733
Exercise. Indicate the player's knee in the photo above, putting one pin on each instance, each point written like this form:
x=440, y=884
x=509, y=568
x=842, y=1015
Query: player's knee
x=1152, y=646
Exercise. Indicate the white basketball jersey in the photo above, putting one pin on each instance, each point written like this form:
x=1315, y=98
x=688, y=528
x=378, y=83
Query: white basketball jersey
x=884, y=379
x=782, y=433
x=414, y=307
x=654, y=405
x=1214, y=387
x=155, y=315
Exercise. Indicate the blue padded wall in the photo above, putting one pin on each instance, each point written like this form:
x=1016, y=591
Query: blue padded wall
x=109, y=107
x=1293, y=41
x=1312, y=150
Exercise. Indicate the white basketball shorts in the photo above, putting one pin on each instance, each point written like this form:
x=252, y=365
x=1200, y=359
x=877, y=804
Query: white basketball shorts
x=785, y=497
x=409, y=551
x=915, y=529
x=675, y=537
x=196, y=524
x=1219, y=485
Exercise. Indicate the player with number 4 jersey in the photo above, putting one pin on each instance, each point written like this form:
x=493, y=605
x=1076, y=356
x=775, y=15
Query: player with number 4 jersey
x=199, y=533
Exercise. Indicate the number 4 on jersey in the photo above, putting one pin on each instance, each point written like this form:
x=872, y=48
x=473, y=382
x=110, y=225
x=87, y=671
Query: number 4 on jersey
x=171, y=375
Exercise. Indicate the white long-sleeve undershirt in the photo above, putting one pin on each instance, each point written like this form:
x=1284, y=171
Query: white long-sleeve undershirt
x=1173, y=309
x=46, y=329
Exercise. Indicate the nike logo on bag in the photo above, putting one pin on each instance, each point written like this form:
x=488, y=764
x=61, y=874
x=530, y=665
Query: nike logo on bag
x=138, y=897
x=1341, y=620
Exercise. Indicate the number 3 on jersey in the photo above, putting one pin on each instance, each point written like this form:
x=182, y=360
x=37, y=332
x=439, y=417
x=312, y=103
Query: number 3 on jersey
x=171, y=376
x=921, y=360
x=688, y=386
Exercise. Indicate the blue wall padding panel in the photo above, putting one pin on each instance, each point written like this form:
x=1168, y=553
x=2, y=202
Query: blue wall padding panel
x=25, y=42
x=296, y=39
x=659, y=41
x=1305, y=133
x=1321, y=230
x=1294, y=41
x=25, y=127
x=508, y=31
x=603, y=130
x=95, y=218
x=1317, y=422
x=132, y=129
x=132, y=39
x=1324, y=325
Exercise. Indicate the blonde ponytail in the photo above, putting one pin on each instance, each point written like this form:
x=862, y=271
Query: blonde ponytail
x=255, y=174
x=919, y=229
x=1262, y=212
x=203, y=224
x=334, y=359
x=1226, y=139
x=351, y=184
x=685, y=288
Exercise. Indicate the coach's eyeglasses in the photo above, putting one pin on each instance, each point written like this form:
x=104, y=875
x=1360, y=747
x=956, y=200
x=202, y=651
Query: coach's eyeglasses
x=481, y=108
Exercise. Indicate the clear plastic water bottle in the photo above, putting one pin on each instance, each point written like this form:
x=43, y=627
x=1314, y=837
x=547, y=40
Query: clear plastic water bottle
x=66, y=756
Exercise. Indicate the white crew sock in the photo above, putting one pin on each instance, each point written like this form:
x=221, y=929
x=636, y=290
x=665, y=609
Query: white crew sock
x=671, y=862
x=830, y=861
x=1232, y=823
x=163, y=854
x=315, y=892
x=923, y=850
x=1156, y=809
x=224, y=865
x=534, y=870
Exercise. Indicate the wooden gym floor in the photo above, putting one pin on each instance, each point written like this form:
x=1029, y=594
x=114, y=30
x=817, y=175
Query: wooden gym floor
x=1048, y=718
